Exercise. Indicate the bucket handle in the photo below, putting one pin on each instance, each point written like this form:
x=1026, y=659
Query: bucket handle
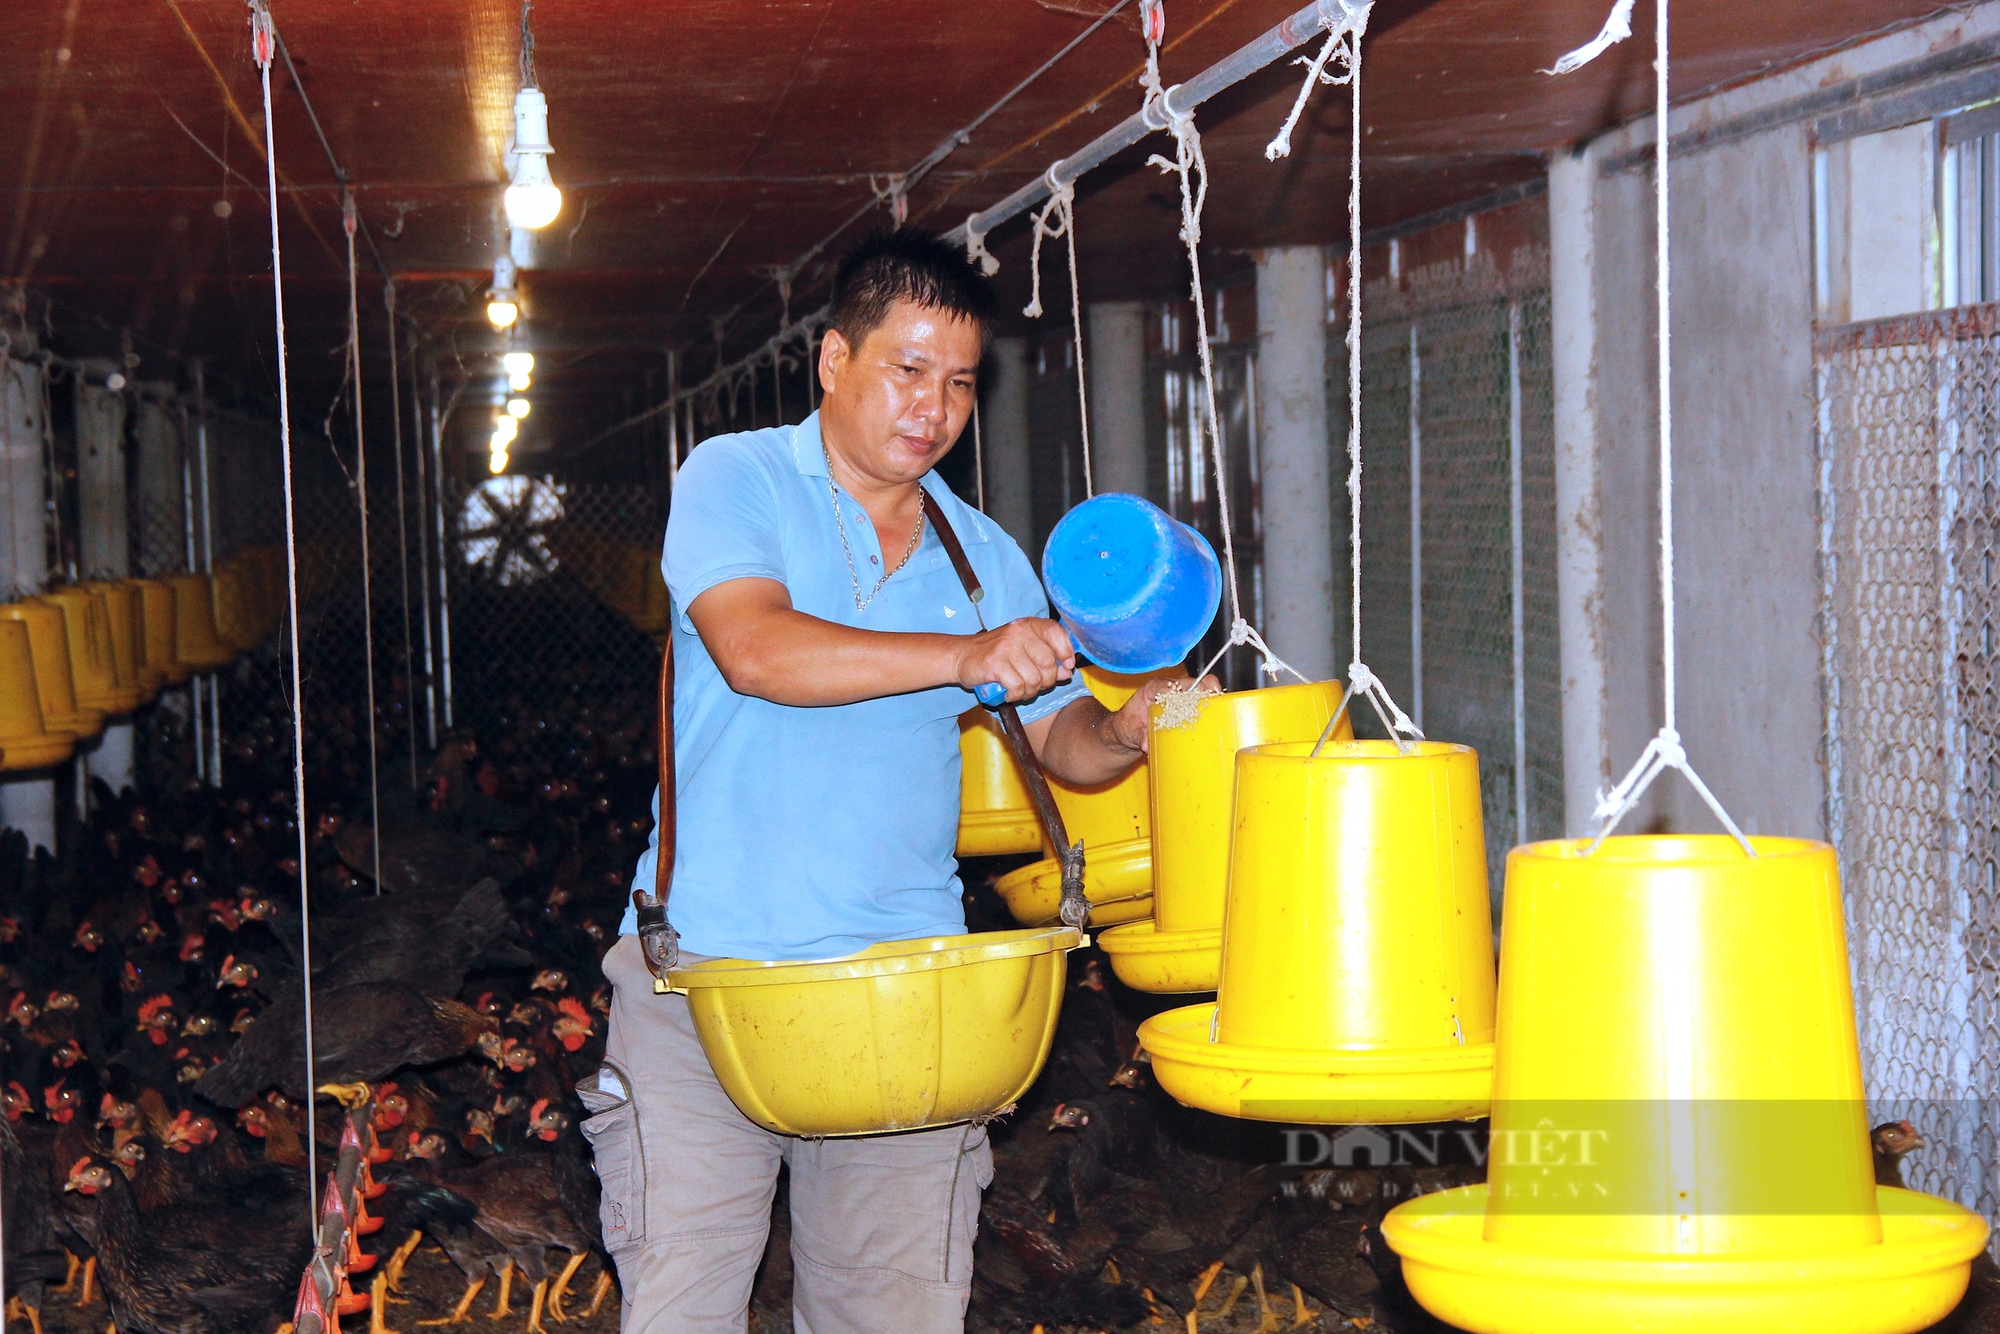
x=658, y=941
x=1075, y=907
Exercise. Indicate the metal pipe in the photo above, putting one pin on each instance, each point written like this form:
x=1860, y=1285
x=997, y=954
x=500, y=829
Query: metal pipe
x=444, y=576
x=1515, y=581
x=1416, y=530
x=207, y=567
x=187, y=533
x=424, y=546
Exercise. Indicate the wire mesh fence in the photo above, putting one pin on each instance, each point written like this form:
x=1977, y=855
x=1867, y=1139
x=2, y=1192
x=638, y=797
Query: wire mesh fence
x=1458, y=488
x=1910, y=471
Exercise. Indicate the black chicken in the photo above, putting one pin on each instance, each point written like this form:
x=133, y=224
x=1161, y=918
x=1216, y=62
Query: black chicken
x=360, y=1033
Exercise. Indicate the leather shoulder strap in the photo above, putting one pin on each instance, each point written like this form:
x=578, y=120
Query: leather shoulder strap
x=956, y=550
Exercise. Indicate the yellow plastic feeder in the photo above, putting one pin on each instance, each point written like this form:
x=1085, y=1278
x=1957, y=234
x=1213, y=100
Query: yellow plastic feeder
x=195, y=640
x=25, y=741
x=1679, y=1137
x=126, y=615
x=237, y=606
x=996, y=817
x=156, y=610
x=905, y=1035
x=48, y=644
x=1193, y=784
x=1114, y=821
x=1357, y=949
x=93, y=663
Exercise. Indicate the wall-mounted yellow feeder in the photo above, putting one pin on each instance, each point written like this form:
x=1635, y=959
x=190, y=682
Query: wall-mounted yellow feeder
x=905, y=1035
x=195, y=640
x=93, y=664
x=48, y=643
x=25, y=741
x=1193, y=784
x=1679, y=1136
x=1114, y=821
x=126, y=617
x=156, y=609
x=1357, y=950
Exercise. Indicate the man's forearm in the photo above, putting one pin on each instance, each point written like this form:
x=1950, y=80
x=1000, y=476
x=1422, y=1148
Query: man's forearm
x=1080, y=746
x=790, y=657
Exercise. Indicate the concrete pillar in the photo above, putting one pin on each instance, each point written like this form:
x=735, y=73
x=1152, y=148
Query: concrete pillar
x=1003, y=420
x=1293, y=457
x=27, y=801
x=1579, y=525
x=1116, y=373
x=104, y=539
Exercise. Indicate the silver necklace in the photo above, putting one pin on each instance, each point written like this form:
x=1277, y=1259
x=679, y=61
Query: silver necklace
x=840, y=525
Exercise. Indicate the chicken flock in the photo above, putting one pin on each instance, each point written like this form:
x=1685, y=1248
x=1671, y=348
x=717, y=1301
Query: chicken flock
x=155, y=1145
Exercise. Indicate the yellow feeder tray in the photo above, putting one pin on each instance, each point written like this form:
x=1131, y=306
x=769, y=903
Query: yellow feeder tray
x=1146, y=959
x=905, y=1035
x=1357, y=948
x=1680, y=1136
x=25, y=742
x=195, y=639
x=48, y=642
x=238, y=605
x=93, y=664
x=995, y=814
x=156, y=609
x=126, y=615
x=1117, y=879
x=1193, y=785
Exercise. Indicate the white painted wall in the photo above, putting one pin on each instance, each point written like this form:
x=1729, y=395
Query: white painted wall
x=101, y=491
x=1890, y=258
x=1115, y=371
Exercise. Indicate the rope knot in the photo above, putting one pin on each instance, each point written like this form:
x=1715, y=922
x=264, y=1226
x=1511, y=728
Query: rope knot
x=975, y=248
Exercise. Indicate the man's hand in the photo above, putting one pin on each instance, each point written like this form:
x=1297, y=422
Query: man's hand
x=1027, y=657
x=1085, y=744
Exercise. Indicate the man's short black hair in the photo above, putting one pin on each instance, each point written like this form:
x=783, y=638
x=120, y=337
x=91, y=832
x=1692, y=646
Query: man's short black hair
x=907, y=264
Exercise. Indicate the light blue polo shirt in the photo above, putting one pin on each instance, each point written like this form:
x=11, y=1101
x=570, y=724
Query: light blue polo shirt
x=809, y=833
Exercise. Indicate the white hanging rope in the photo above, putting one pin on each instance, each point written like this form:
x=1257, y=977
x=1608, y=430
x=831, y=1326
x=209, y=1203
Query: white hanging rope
x=1062, y=207
x=348, y=220
x=1187, y=164
x=263, y=43
x=1336, y=46
x=1664, y=751
x=975, y=248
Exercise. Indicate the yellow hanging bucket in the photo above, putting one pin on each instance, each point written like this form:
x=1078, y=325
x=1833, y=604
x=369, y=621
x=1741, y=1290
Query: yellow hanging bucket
x=1357, y=949
x=905, y=1035
x=25, y=741
x=156, y=610
x=236, y=606
x=195, y=639
x=1114, y=821
x=48, y=644
x=1193, y=785
x=1680, y=1140
x=126, y=615
x=996, y=817
x=93, y=663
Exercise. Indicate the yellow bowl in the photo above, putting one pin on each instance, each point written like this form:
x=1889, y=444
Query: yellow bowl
x=1117, y=879
x=1908, y=1281
x=1146, y=958
x=999, y=833
x=1313, y=1086
x=905, y=1035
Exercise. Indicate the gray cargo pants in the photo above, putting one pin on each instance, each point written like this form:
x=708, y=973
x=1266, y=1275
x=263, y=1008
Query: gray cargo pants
x=882, y=1226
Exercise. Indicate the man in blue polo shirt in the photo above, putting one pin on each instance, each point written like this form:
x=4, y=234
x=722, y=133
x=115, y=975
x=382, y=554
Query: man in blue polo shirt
x=824, y=650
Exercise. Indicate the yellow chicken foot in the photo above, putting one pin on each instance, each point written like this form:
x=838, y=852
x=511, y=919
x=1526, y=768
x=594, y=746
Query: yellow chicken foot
x=561, y=1286
x=392, y=1273
x=501, y=1309
x=20, y=1310
x=88, y=1296
x=457, y=1315
x=535, y=1308
x=603, y=1291
x=68, y=1285
x=377, y=1297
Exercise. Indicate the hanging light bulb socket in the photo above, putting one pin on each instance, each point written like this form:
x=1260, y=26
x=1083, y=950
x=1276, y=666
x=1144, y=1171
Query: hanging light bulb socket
x=532, y=199
x=503, y=300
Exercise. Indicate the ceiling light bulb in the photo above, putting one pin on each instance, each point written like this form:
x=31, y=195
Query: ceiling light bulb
x=501, y=313
x=532, y=199
x=518, y=363
x=519, y=382
x=496, y=463
x=518, y=408
x=506, y=429
x=503, y=303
